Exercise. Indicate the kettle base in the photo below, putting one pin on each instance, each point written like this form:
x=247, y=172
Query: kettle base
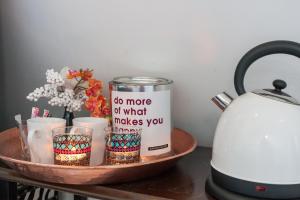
x=220, y=193
x=255, y=189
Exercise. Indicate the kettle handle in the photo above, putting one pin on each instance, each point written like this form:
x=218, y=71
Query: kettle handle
x=268, y=48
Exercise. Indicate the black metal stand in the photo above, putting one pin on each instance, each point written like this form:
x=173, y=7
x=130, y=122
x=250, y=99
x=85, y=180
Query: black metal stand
x=8, y=190
x=77, y=197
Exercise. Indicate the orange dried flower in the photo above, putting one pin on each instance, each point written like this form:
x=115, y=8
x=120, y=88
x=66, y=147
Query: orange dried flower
x=95, y=88
x=93, y=82
x=96, y=103
x=83, y=74
x=73, y=74
x=92, y=103
x=97, y=113
x=86, y=74
x=106, y=110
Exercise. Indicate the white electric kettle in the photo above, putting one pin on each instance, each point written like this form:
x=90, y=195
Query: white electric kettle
x=256, y=149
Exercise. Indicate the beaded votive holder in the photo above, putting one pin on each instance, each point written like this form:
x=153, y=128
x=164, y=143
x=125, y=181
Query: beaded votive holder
x=123, y=148
x=72, y=149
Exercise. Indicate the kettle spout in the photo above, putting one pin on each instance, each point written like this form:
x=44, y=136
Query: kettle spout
x=222, y=100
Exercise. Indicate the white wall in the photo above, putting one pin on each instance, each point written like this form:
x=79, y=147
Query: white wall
x=197, y=43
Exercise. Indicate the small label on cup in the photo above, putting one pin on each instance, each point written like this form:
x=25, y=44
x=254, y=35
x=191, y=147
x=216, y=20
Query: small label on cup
x=158, y=147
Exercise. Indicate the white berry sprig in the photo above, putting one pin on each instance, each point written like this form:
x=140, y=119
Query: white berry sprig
x=58, y=94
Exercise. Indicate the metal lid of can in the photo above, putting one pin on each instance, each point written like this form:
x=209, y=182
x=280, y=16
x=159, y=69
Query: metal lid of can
x=141, y=80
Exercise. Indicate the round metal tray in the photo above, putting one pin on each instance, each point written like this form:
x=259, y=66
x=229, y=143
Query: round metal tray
x=10, y=150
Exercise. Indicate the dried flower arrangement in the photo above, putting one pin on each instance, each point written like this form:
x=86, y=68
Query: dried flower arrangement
x=73, y=89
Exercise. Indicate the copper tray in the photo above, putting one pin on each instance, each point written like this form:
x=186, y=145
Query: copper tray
x=182, y=144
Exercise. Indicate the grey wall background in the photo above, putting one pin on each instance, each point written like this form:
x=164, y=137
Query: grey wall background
x=197, y=43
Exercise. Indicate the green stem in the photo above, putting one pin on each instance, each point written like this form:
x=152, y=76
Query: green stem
x=78, y=88
x=77, y=84
x=82, y=88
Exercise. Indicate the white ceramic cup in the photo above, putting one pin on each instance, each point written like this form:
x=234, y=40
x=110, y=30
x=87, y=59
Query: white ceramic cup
x=98, y=142
x=40, y=138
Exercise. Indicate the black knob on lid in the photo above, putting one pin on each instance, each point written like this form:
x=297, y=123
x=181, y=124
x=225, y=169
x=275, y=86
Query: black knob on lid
x=279, y=84
x=277, y=93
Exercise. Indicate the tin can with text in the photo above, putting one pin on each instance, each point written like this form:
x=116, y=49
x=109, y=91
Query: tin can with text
x=144, y=102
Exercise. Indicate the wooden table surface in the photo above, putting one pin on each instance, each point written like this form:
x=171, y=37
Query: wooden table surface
x=184, y=181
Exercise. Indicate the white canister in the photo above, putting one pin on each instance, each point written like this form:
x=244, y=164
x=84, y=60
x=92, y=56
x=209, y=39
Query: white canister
x=40, y=138
x=98, y=139
x=144, y=103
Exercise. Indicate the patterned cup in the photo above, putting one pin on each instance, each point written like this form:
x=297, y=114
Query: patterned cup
x=123, y=147
x=72, y=146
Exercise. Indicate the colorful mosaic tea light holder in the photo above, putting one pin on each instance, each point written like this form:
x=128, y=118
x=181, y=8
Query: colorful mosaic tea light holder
x=72, y=146
x=123, y=146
